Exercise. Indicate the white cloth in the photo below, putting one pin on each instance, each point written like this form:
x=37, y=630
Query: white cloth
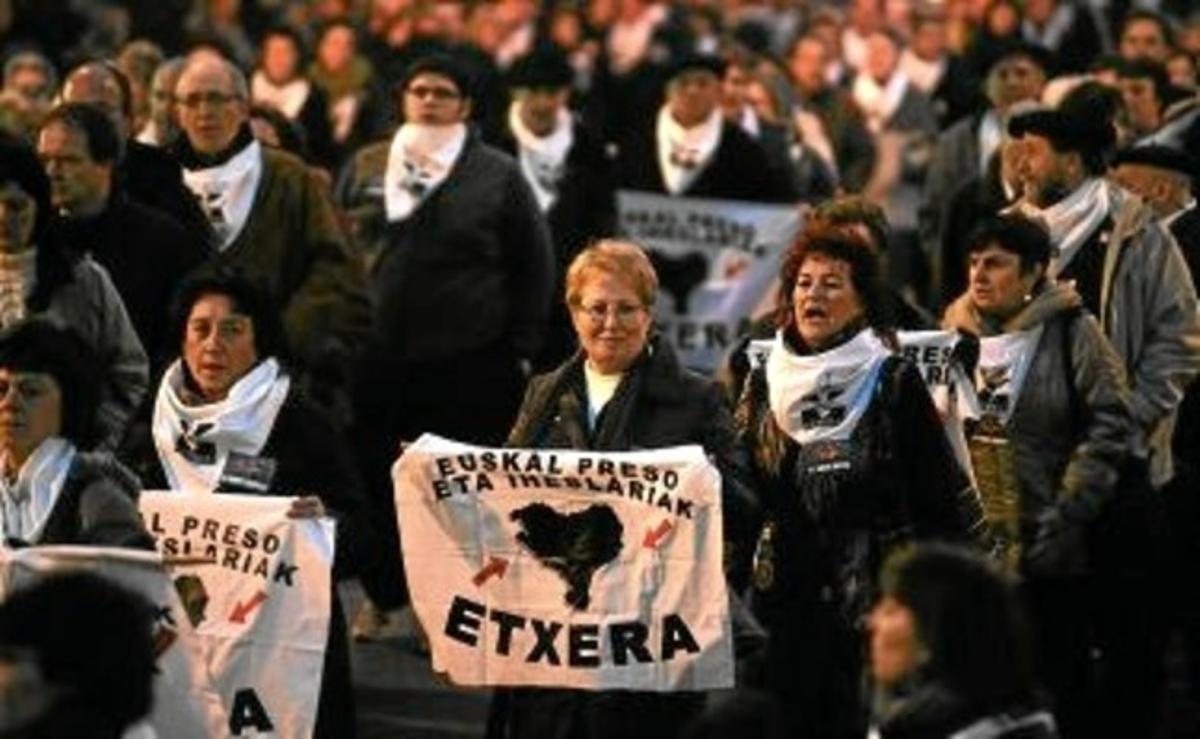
x=18, y=277
x=879, y=102
x=287, y=98
x=854, y=48
x=991, y=135
x=226, y=192
x=419, y=160
x=600, y=389
x=1004, y=361
x=748, y=120
x=27, y=501
x=1071, y=220
x=683, y=153
x=924, y=75
x=208, y=433
x=811, y=132
x=543, y=159
x=822, y=397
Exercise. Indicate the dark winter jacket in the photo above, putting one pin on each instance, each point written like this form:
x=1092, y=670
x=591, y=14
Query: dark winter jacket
x=97, y=506
x=153, y=178
x=1071, y=428
x=738, y=169
x=658, y=404
x=934, y=711
x=147, y=255
x=470, y=269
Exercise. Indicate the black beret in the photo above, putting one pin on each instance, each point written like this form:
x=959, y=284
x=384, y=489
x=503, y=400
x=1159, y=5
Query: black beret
x=446, y=65
x=1066, y=131
x=544, y=67
x=1160, y=157
x=696, y=61
x=1035, y=53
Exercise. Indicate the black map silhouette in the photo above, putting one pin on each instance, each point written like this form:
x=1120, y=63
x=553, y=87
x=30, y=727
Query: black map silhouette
x=679, y=276
x=574, y=545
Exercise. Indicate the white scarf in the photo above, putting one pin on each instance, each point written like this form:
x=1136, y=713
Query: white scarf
x=226, y=192
x=811, y=132
x=822, y=397
x=924, y=75
x=879, y=102
x=419, y=160
x=240, y=423
x=1004, y=361
x=991, y=135
x=748, y=120
x=18, y=277
x=287, y=98
x=683, y=153
x=1071, y=220
x=543, y=159
x=27, y=502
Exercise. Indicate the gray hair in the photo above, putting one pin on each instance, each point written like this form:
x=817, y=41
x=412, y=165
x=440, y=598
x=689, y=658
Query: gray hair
x=31, y=59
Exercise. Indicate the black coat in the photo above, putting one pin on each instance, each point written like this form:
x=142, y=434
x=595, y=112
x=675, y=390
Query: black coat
x=147, y=255
x=584, y=211
x=153, y=177
x=817, y=569
x=738, y=169
x=471, y=268
x=658, y=404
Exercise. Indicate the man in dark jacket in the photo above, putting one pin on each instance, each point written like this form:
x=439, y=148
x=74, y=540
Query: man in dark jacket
x=692, y=151
x=567, y=170
x=149, y=175
x=145, y=252
x=461, y=284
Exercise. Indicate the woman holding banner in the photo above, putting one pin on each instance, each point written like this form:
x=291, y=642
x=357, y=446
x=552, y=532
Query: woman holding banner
x=227, y=419
x=1054, y=431
x=623, y=390
x=51, y=492
x=851, y=462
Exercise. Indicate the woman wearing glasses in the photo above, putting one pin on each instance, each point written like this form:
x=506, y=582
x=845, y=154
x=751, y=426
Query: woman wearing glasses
x=51, y=491
x=623, y=390
x=228, y=419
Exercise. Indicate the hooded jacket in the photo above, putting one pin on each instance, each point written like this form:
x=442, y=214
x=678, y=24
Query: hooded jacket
x=1071, y=427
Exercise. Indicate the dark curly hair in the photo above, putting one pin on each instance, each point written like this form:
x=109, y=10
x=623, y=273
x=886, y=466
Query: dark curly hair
x=838, y=243
x=39, y=346
x=248, y=297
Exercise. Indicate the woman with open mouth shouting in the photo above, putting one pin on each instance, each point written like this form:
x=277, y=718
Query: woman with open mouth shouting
x=852, y=462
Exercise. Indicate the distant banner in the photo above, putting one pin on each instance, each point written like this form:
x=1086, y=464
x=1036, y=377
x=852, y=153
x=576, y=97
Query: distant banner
x=717, y=261
x=565, y=568
x=186, y=705
x=255, y=586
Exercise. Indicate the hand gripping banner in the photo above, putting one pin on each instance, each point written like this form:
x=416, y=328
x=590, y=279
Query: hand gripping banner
x=255, y=586
x=564, y=568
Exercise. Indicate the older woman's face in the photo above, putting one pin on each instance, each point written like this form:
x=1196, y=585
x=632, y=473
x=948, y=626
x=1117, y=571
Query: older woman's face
x=611, y=321
x=30, y=412
x=218, y=346
x=995, y=282
x=824, y=299
x=18, y=211
x=895, y=648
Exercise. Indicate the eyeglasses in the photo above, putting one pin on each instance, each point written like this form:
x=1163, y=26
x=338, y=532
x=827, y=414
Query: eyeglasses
x=598, y=313
x=439, y=94
x=28, y=387
x=214, y=99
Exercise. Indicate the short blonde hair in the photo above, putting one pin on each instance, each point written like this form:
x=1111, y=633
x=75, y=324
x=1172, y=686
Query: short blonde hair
x=618, y=258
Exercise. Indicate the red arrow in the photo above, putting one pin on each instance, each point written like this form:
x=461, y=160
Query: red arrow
x=495, y=566
x=163, y=639
x=655, y=536
x=241, y=610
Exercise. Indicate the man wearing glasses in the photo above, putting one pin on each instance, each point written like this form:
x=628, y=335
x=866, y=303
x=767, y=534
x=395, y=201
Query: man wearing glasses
x=271, y=217
x=462, y=280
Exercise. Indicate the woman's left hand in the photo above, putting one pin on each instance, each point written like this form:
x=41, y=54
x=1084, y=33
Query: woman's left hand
x=307, y=506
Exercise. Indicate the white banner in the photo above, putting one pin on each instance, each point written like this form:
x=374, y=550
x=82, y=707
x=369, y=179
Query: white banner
x=185, y=703
x=717, y=264
x=566, y=568
x=256, y=589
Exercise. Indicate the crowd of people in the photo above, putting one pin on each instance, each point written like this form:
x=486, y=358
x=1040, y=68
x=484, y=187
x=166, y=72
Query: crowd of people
x=380, y=218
